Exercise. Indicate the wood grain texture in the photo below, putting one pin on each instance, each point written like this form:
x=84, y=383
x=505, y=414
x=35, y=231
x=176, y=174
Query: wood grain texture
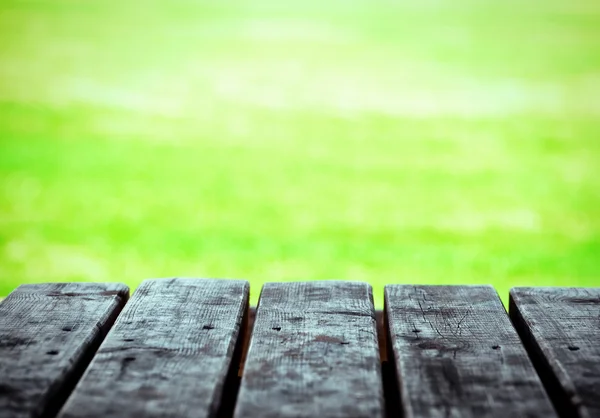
x=456, y=354
x=169, y=353
x=313, y=353
x=561, y=329
x=48, y=334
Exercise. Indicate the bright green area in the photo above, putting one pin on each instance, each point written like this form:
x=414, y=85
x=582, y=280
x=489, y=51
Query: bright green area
x=391, y=142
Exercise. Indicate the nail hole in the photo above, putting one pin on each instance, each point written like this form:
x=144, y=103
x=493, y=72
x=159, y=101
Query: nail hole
x=276, y=328
x=52, y=352
x=495, y=347
x=128, y=339
x=344, y=343
x=67, y=329
x=129, y=359
x=573, y=348
x=416, y=330
x=208, y=327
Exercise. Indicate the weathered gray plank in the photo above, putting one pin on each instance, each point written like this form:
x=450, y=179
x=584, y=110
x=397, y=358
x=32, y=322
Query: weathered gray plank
x=561, y=329
x=457, y=354
x=313, y=353
x=169, y=353
x=48, y=334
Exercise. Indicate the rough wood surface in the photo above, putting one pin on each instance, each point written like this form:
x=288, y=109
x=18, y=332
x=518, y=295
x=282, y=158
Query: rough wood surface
x=48, y=333
x=561, y=329
x=313, y=353
x=169, y=353
x=457, y=355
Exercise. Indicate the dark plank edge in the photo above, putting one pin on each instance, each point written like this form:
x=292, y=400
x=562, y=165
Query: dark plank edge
x=540, y=362
x=395, y=397
x=227, y=397
x=559, y=386
x=248, y=327
x=233, y=379
x=66, y=383
x=391, y=385
x=74, y=377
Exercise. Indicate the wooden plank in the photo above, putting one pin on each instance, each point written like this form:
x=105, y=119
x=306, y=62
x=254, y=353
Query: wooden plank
x=313, y=353
x=456, y=354
x=170, y=352
x=561, y=329
x=48, y=334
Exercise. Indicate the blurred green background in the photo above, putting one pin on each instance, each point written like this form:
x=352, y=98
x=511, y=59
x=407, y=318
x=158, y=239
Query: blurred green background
x=384, y=141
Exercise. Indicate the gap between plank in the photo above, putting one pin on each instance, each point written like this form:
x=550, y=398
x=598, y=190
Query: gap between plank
x=56, y=404
x=540, y=363
x=233, y=380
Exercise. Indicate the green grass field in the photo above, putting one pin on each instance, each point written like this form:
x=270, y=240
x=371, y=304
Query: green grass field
x=385, y=141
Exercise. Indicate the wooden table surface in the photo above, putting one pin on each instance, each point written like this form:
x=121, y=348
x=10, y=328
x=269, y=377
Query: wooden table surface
x=194, y=348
